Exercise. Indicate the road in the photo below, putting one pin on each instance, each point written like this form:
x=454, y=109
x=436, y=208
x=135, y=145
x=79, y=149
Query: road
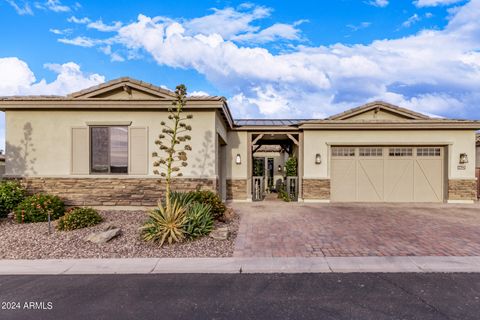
x=242, y=296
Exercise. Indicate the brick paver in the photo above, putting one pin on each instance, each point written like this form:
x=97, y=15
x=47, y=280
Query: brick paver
x=277, y=229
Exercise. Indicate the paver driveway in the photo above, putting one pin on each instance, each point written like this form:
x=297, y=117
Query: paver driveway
x=277, y=229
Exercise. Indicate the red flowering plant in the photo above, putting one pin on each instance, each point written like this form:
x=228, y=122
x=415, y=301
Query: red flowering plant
x=37, y=207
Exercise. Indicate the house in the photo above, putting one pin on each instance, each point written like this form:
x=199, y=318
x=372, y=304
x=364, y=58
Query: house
x=94, y=147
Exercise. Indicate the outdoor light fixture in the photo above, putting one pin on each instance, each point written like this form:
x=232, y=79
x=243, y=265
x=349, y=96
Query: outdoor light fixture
x=238, y=159
x=279, y=168
x=318, y=158
x=463, y=158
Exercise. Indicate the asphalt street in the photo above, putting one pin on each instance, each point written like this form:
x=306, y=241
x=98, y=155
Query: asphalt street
x=242, y=296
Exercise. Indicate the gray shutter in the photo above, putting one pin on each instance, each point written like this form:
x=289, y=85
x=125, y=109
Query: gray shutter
x=138, y=150
x=80, y=151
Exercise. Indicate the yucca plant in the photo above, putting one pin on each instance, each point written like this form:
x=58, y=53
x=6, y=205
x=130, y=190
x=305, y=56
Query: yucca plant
x=165, y=224
x=199, y=220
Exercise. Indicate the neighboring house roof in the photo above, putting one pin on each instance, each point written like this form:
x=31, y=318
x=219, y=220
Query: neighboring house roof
x=120, y=93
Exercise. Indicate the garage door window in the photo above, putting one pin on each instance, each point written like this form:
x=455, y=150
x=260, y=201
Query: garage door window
x=400, y=152
x=428, y=152
x=343, y=152
x=371, y=152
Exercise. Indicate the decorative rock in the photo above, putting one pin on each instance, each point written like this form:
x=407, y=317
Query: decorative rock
x=220, y=233
x=104, y=236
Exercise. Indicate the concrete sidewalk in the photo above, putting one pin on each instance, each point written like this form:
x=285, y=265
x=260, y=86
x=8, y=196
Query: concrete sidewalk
x=237, y=265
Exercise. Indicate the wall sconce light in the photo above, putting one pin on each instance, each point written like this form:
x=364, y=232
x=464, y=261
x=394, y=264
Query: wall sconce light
x=463, y=158
x=318, y=158
x=238, y=159
x=279, y=169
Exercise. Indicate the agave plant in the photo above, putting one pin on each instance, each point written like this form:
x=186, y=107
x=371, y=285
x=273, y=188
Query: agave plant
x=199, y=220
x=184, y=199
x=165, y=224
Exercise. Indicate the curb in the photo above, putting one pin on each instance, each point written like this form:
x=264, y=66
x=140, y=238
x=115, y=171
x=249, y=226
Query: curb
x=417, y=264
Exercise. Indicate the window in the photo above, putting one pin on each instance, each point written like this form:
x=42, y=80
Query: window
x=400, y=152
x=428, y=152
x=343, y=152
x=109, y=150
x=371, y=152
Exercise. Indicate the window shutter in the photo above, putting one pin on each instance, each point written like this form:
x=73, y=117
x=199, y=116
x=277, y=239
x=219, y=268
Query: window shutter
x=138, y=150
x=80, y=151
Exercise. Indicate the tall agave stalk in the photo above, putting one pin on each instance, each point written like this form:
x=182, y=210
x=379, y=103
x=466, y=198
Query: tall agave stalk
x=173, y=156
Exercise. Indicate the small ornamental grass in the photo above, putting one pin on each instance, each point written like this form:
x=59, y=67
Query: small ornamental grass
x=11, y=194
x=37, y=207
x=77, y=218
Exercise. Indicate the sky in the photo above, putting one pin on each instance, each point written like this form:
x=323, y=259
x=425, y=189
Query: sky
x=270, y=59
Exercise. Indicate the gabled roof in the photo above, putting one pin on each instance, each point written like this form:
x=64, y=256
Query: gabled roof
x=126, y=84
x=377, y=106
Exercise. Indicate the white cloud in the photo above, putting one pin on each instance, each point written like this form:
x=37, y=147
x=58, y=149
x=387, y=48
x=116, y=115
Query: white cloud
x=360, y=26
x=52, y=5
x=23, y=9
x=60, y=31
x=79, y=41
x=74, y=19
x=100, y=26
x=198, y=93
x=411, y=21
x=16, y=78
x=379, y=3
x=275, y=32
x=427, y=71
x=434, y=3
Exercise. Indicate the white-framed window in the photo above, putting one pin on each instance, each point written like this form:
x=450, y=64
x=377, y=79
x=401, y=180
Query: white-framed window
x=343, y=152
x=429, y=152
x=371, y=152
x=400, y=152
x=109, y=149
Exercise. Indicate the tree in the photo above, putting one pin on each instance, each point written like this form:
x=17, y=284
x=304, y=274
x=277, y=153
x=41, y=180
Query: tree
x=172, y=156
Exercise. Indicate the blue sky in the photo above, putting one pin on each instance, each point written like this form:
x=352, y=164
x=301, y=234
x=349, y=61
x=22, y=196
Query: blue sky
x=275, y=59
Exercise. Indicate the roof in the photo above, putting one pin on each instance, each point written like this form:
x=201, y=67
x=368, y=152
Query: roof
x=378, y=105
x=128, y=93
x=268, y=122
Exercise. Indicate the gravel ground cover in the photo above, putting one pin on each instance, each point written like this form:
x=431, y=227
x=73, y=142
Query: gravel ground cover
x=32, y=241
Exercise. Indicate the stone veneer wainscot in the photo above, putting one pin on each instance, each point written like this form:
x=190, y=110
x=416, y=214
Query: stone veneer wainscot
x=462, y=189
x=112, y=191
x=316, y=189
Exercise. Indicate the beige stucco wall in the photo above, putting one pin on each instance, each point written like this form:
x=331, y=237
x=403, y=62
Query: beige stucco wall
x=237, y=144
x=48, y=133
x=457, y=141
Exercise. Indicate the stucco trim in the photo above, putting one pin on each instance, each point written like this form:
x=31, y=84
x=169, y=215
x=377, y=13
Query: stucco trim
x=108, y=123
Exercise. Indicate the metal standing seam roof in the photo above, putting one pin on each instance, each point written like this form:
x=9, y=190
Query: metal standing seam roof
x=268, y=122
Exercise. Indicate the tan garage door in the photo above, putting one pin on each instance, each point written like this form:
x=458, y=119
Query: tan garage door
x=387, y=174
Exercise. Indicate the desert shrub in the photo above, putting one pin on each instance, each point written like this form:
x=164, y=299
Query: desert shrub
x=36, y=208
x=211, y=198
x=11, y=194
x=77, y=218
x=183, y=199
x=165, y=224
x=199, y=220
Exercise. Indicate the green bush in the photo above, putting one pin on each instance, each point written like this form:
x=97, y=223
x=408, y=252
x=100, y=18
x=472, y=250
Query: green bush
x=291, y=167
x=11, y=194
x=199, y=220
x=36, y=208
x=212, y=199
x=77, y=218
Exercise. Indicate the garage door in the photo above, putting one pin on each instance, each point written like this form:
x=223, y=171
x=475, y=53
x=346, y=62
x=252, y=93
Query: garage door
x=387, y=174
